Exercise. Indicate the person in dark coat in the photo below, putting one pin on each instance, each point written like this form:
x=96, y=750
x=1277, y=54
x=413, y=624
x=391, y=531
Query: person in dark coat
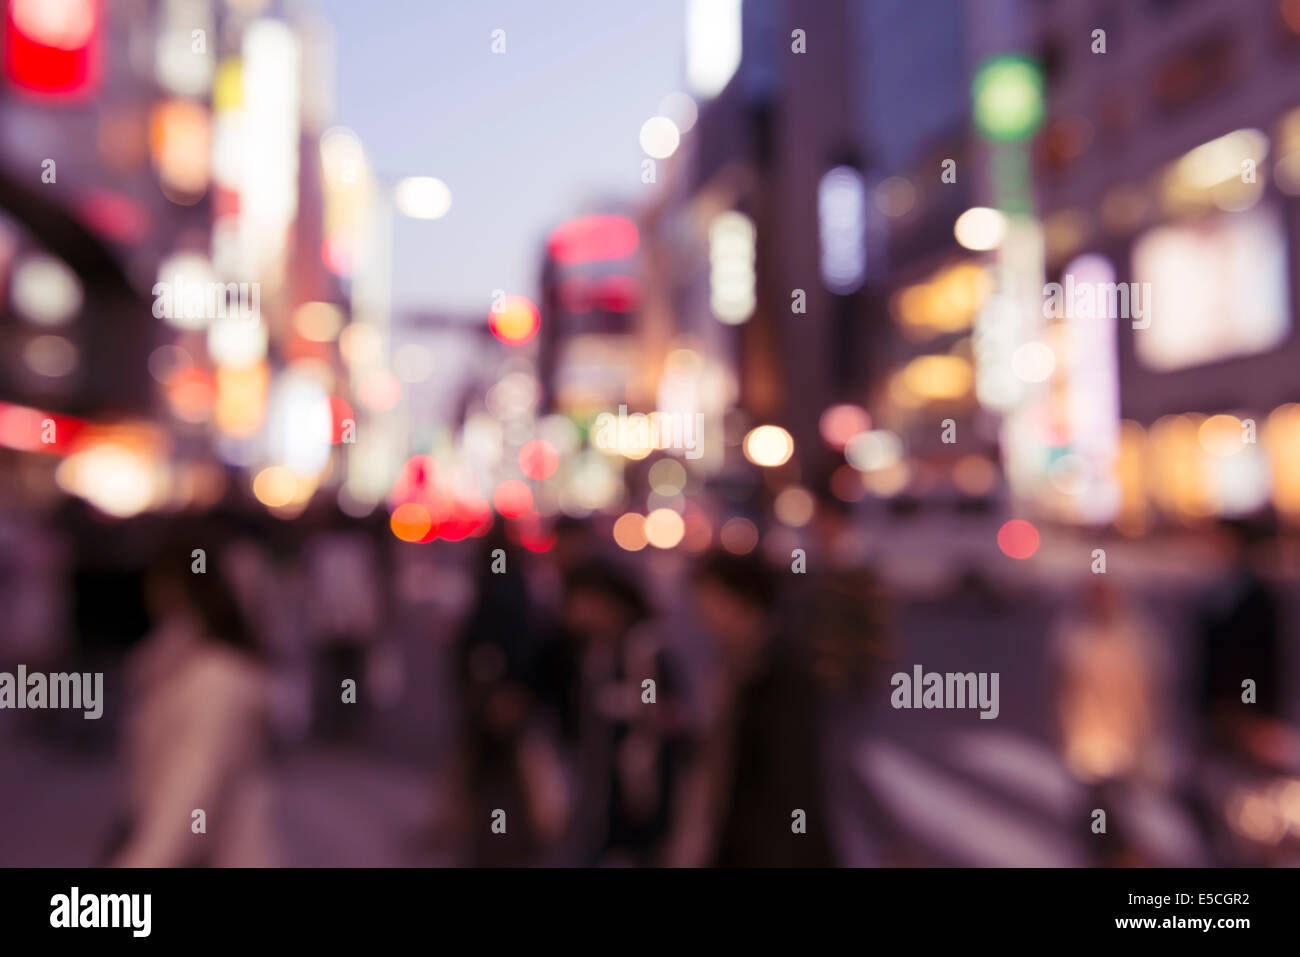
x=493, y=660
x=627, y=746
x=765, y=769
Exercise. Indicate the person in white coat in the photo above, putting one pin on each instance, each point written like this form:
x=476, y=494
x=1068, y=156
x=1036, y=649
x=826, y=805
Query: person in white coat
x=196, y=731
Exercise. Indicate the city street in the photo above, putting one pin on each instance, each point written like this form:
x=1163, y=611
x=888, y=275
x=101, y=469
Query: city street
x=709, y=433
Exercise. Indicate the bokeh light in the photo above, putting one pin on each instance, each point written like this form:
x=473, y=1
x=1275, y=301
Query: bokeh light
x=794, y=506
x=318, y=321
x=1008, y=98
x=343, y=421
x=360, y=344
x=738, y=536
x=514, y=320
x=50, y=356
x=1221, y=435
x=664, y=528
x=660, y=137
x=275, y=486
x=422, y=197
x=667, y=477
x=120, y=477
x=45, y=291
x=379, y=390
x=840, y=423
x=877, y=449
x=846, y=484
x=181, y=294
x=538, y=459
x=1033, y=362
x=769, y=446
x=1018, y=539
x=410, y=522
x=512, y=499
x=237, y=342
x=630, y=533
x=889, y=480
x=974, y=475
x=980, y=228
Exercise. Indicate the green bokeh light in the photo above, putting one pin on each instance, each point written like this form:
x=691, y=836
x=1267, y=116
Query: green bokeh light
x=1008, y=98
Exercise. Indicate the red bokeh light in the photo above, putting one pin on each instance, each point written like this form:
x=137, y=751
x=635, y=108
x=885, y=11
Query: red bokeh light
x=51, y=46
x=1018, y=539
x=619, y=293
x=31, y=430
x=538, y=459
x=512, y=499
x=840, y=423
x=115, y=216
x=342, y=420
x=476, y=514
x=535, y=538
x=416, y=479
x=590, y=239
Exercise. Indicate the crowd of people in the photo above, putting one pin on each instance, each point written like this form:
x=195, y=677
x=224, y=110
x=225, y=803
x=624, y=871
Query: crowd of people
x=581, y=716
x=591, y=722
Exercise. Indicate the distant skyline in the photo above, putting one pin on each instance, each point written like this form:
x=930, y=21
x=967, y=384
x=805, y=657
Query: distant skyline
x=524, y=139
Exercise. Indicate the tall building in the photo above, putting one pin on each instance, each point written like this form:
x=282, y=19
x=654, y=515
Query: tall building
x=1168, y=159
x=764, y=144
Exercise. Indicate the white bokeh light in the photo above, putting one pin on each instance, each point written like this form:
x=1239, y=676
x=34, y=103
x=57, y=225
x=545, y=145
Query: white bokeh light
x=660, y=137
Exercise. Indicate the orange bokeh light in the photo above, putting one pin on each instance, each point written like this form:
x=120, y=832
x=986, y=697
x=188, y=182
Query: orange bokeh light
x=629, y=532
x=411, y=522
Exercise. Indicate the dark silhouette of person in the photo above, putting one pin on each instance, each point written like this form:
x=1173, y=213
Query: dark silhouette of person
x=493, y=664
x=768, y=774
x=1240, y=631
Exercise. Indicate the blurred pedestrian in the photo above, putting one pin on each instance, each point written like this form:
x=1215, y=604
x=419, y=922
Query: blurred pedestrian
x=1240, y=628
x=344, y=613
x=622, y=692
x=1109, y=703
x=1109, y=691
x=501, y=762
x=197, y=786
x=1246, y=740
x=756, y=795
